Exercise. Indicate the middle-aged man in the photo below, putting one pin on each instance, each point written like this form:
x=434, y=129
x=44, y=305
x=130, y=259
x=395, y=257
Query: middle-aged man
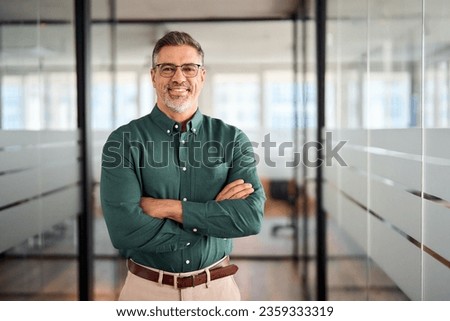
x=177, y=186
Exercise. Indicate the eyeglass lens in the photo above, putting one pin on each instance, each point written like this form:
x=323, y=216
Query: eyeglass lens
x=188, y=70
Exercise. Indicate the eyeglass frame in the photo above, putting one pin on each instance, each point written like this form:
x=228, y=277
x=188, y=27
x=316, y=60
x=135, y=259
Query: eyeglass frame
x=199, y=66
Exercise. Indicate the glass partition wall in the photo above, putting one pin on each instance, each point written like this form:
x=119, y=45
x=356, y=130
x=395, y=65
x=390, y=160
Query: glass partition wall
x=388, y=205
x=39, y=166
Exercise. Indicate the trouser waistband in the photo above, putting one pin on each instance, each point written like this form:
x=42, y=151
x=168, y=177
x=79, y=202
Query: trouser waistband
x=218, y=270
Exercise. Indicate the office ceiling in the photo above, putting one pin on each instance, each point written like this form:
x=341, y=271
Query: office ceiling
x=236, y=31
x=239, y=31
x=199, y=9
x=150, y=10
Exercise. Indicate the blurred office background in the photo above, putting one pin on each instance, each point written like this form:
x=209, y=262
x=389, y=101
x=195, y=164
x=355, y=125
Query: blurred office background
x=374, y=74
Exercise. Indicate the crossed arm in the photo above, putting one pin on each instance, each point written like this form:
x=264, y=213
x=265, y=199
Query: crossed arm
x=172, y=209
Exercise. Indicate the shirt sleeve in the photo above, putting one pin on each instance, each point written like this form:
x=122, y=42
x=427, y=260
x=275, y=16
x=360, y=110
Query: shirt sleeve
x=231, y=218
x=128, y=226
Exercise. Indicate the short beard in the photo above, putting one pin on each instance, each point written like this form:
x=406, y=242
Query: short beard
x=177, y=107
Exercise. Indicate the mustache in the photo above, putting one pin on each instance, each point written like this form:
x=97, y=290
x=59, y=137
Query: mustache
x=177, y=85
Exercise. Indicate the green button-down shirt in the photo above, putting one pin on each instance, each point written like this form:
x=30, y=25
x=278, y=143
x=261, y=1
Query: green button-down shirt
x=151, y=156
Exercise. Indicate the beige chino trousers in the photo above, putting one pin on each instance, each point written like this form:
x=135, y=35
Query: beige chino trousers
x=139, y=289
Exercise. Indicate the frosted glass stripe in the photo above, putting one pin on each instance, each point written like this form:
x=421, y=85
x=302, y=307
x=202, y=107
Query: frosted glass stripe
x=59, y=206
x=34, y=137
x=331, y=174
x=100, y=135
x=398, y=207
x=354, y=222
x=60, y=176
x=437, y=178
x=18, y=137
x=397, y=256
x=19, y=186
x=408, y=140
x=39, y=215
x=436, y=228
x=354, y=185
x=403, y=171
x=31, y=183
x=436, y=142
x=356, y=137
x=36, y=156
x=12, y=228
x=354, y=157
x=20, y=159
x=436, y=280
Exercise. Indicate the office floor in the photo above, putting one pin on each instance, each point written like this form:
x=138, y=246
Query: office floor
x=46, y=268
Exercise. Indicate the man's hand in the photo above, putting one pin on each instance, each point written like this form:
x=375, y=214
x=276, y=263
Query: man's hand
x=235, y=190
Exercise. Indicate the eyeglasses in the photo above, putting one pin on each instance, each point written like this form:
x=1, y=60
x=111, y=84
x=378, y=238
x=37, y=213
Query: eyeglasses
x=188, y=70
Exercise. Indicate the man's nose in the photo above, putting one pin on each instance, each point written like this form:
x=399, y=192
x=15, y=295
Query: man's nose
x=178, y=74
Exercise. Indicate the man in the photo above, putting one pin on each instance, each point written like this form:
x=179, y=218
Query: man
x=177, y=185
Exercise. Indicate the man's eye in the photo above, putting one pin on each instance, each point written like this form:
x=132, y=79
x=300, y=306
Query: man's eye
x=167, y=68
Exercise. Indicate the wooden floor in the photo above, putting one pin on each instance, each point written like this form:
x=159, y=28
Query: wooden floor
x=46, y=268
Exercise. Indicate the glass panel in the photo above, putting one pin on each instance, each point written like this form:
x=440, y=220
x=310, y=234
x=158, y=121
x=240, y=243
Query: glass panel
x=436, y=216
x=345, y=187
x=39, y=146
x=393, y=93
x=374, y=64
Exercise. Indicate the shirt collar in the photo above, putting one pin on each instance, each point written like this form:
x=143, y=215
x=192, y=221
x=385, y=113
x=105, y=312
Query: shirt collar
x=171, y=127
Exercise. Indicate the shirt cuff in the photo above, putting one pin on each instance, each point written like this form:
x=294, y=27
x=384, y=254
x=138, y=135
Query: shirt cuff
x=194, y=217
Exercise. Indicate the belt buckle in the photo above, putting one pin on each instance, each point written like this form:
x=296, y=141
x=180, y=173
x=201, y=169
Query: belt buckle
x=180, y=282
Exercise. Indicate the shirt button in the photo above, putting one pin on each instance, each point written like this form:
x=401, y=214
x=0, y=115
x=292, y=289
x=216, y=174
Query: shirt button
x=187, y=261
x=168, y=131
x=184, y=199
x=183, y=142
x=184, y=169
x=187, y=244
x=193, y=129
x=194, y=230
x=176, y=126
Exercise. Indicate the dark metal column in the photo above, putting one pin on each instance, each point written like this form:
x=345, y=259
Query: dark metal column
x=295, y=209
x=321, y=13
x=85, y=235
x=303, y=21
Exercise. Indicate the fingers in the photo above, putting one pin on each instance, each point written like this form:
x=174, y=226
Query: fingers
x=226, y=192
x=237, y=189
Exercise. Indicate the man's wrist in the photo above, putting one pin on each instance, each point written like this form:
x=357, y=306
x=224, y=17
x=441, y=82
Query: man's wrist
x=174, y=211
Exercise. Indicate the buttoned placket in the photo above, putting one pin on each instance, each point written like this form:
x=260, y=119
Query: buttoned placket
x=185, y=181
x=183, y=152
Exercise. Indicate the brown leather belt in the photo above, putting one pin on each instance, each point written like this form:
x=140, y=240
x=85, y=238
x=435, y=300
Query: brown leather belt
x=182, y=282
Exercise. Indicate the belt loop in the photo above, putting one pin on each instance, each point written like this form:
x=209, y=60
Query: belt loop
x=175, y=281
x=160, y=277
x=208, y=277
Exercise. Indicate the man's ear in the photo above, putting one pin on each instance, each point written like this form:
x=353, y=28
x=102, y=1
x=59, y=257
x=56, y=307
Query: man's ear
x=203, y=74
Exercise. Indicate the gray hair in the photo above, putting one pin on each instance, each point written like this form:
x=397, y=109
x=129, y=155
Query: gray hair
x=176, y=38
